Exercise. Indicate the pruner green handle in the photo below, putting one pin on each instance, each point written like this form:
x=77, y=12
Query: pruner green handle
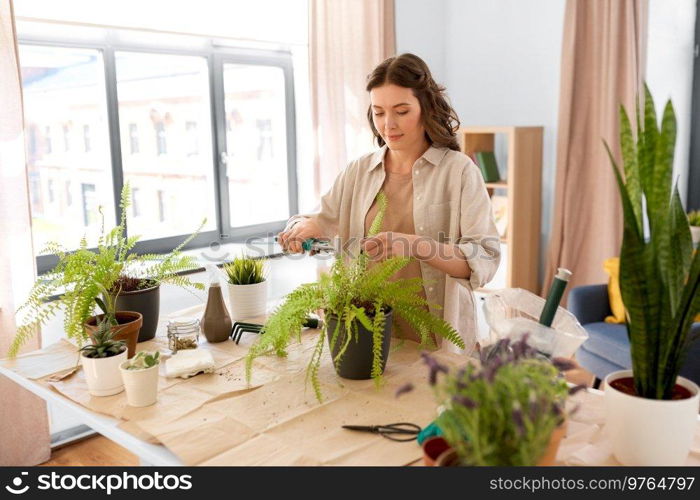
x=316, y=244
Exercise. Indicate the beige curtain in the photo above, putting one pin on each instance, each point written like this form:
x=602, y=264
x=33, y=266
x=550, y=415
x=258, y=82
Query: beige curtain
x=603, y=53
x=347, y=39
x=24, y=428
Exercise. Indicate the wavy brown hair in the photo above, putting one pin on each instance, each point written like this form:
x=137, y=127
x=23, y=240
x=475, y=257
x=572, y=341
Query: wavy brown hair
x=410, y=71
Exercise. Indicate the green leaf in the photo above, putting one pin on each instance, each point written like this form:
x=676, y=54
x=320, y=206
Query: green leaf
x=629, y=156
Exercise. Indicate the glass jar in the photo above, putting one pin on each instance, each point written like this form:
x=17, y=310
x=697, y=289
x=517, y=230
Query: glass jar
x=183, y=333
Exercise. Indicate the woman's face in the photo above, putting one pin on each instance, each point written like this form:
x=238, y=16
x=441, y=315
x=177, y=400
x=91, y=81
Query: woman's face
x=397, y=116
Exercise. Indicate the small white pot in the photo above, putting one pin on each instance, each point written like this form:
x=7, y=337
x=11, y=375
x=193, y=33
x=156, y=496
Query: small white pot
x=141, y=385
x=695, y=234
x=650, y=432
x=247, y=301
x=102, y=374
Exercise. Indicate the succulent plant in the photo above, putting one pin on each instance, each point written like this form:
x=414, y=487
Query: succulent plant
x=104, y=345
x=245, y=271
x=143, y=360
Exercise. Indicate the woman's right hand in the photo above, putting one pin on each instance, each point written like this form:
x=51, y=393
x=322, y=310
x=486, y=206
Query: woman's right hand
x=292, y=239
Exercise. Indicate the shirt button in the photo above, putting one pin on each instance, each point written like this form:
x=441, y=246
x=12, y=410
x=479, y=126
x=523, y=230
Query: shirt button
x=430, y=289
x=417, y=171
x=420, y=228
x=418, y=197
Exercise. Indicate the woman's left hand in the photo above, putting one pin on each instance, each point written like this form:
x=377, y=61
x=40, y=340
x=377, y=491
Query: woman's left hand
x=389, y=244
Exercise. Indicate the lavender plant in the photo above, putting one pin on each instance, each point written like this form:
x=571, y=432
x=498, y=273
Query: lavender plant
x=504, y=411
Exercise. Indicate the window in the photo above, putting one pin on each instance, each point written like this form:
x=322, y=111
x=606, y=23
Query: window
x=161, y=139
x=89, y=204
x=161, y=206
x=192, y=141
x=61, y=84
x=191, y=167
x=133, y=138
x=135, y=202
x=66, y=138
x=47, y=138
x=86, y=138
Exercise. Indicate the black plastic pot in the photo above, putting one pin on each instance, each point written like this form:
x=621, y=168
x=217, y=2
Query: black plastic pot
x=146, y=302
x=356, y=363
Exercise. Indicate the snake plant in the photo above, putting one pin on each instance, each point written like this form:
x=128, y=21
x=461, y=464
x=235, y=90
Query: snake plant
x=659, y=276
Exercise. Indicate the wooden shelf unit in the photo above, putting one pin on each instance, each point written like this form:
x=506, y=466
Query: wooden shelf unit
x=523, y=189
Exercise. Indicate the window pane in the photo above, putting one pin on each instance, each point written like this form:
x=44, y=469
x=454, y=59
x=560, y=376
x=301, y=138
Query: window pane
x=164, y=115
x=64, y=96
x=256, y=144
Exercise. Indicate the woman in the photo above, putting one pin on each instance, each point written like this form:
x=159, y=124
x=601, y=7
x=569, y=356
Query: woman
x=439, y=212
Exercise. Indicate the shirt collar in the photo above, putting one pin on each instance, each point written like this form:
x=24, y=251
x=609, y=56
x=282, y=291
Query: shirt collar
x=433, y=156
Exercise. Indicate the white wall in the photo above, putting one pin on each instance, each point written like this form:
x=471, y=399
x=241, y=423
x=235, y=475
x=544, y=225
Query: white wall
x=500, y=60
x=669, y=74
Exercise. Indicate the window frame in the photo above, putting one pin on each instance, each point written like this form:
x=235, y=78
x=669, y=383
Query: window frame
x=215, y=56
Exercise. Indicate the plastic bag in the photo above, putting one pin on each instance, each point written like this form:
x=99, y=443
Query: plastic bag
x=514, y=312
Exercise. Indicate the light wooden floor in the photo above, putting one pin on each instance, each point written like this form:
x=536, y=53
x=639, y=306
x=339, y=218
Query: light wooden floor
x=95, y=451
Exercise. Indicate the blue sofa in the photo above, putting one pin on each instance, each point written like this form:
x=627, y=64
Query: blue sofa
x=607, y=348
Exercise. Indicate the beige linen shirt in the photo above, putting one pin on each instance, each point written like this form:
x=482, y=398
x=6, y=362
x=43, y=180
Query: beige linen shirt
x=450, y=205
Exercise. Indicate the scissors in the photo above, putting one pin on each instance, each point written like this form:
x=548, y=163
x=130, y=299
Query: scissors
x=389, y=430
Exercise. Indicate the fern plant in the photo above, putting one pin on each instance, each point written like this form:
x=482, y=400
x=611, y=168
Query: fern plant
x=659, y=276
x=83, y=275
x=355, y=293
x=245, y=271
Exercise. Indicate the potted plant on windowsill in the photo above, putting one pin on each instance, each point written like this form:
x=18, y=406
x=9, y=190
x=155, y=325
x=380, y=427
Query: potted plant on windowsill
x=652, y=412
x=140, y=376
x=247, y=287
x=359, y=304
x=82, y=275
x=694, y=221
x=509, y=411
x=101, y=361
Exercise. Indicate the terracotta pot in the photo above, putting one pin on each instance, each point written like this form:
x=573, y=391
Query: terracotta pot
x=432, y=448
x=129, y=326
x=550, y=454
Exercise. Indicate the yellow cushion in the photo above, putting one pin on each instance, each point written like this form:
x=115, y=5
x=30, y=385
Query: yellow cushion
x=612, y=267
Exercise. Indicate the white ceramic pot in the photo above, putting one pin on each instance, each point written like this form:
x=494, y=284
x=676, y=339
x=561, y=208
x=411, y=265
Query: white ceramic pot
x=141, y=385
x=102, y=374
x=695, y=234
x=247, y=301
x=650, y=432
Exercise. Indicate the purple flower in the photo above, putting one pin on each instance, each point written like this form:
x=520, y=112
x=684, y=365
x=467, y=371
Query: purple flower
x=563, y=364
x=464, y=401
x=434, y=367
x=408, y=387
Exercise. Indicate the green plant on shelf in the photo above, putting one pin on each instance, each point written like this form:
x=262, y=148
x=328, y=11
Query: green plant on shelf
x=356, y=293
x=81, y=276
x=245, y=271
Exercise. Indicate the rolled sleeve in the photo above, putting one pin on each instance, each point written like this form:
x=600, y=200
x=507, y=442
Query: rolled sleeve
x=479, y=240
